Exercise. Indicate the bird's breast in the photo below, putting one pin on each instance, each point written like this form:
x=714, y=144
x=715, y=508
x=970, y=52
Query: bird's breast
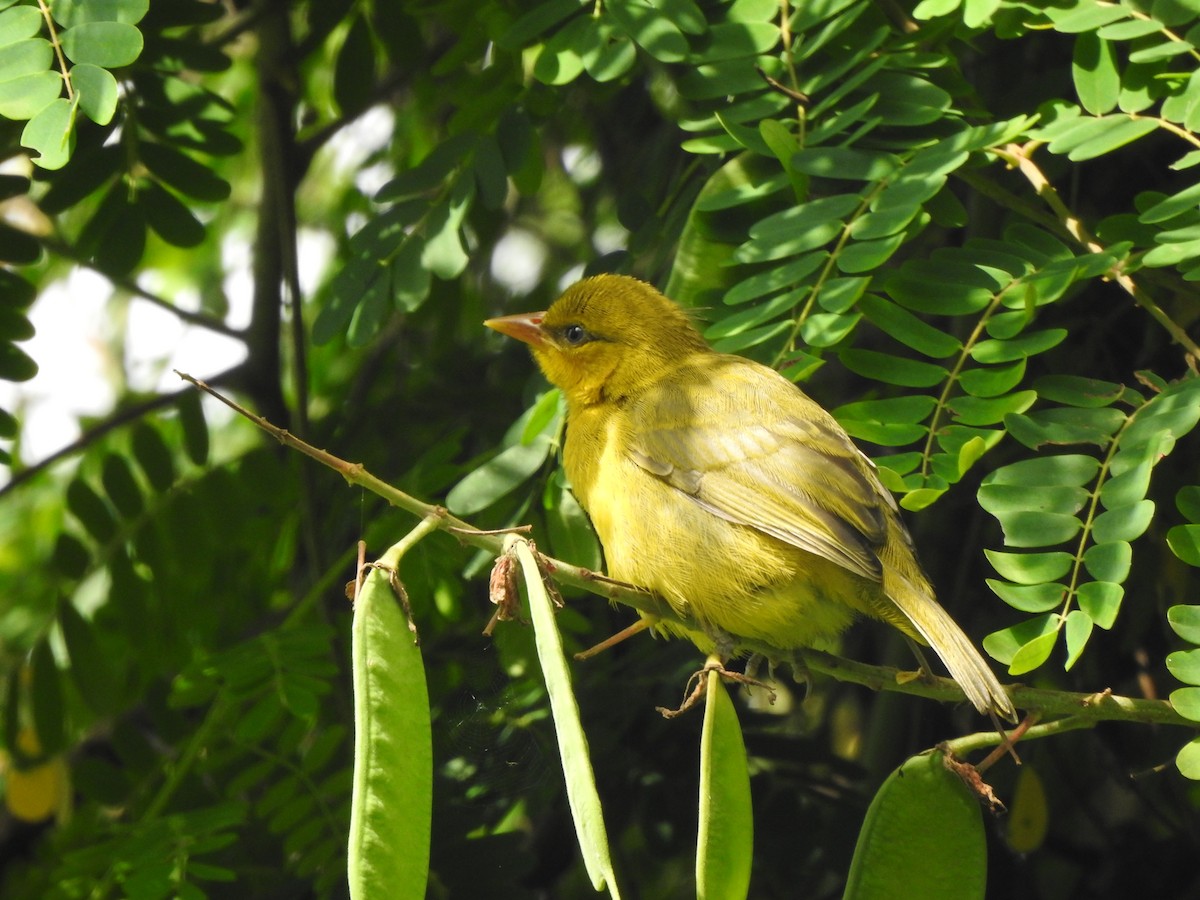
x=726, y=575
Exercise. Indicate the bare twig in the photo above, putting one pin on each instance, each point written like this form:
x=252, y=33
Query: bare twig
x=1020, y=157
x=117, y=419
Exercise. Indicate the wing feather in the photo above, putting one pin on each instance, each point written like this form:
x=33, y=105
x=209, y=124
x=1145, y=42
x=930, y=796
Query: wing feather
x=762, y=454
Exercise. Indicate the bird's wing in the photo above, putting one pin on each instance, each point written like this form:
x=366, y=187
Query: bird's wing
x=745, y=444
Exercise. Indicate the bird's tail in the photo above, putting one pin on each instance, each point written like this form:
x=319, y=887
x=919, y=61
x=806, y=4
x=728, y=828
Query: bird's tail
x=967, y=666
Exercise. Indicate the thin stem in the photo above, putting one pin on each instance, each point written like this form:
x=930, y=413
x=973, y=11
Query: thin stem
x=119, y=418
x=1019, y=155
x=58, y=50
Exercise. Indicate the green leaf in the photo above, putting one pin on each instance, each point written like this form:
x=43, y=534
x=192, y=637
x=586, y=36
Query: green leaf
x=15, y=363
x=735, y=40
x=74, y=12
x=607, y=53
x=171, y=219
x=988, y=352
x=1094, y=71
x=1108, y=562
x=1003, y=645
x=571, y=535
x=91, y=511
x=778, y=245
x=1065, y=426
x=496, y=477
x=106, y=44
x=1188, y=759
x=1033, y=654
x=91, y=669
x=1000, y=498
x=1124, y=523
x=907, y=328
x=865, y=256
x=923, y=831
x=1068, y=469
x=1184, y=541
x=1101, y=600
x=19, y=23
x=1030, y=568
x=840, y=294
x=1187, y=501
x=1128, y=487
x=992, y=382
x=796, y=220
x=195, y=429
x=120, y=486
x=1118, y=131
x=411, y=281
x=561, y=59
x=153, y=457
x=27, y=95
x=1164, y=50
x=921, y=498
x=1187, y=703
x=443, y=254
x=1085, y=17
x=1033, y=598
x=71, y=558
x=1037, y=529
x=354, y=68
x=725, y=839
x=32, y=56
x=372, y=309
x=893, y=369
x=1075, y=390
x=392, y=798
x=650, y=30
x=990, y=410
x=97, y=90
x=540, y=19
x=789, y=274
x=1185, y=622
x=920, y=289
x=1185, y=665
x=827, y=329
x=51, y=134
x=846, y=163
x=46, y=699
x=1077, y=630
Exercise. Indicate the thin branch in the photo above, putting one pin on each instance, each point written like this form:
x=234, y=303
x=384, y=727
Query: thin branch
x=1086, y=709
x=58, y=50
x=117, y=419
x=1019, y=155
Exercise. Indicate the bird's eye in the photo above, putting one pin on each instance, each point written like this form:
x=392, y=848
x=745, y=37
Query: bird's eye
x=574, y=335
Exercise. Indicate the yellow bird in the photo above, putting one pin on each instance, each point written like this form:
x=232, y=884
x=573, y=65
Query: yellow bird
x=715, y=482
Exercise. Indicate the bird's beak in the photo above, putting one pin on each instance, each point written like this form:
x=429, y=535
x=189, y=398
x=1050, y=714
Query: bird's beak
x=525, y=327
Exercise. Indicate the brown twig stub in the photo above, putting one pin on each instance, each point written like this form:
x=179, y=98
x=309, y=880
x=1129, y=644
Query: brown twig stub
x=353, y=587
x=397, y=587
x=503, y=592
x=778, y=86
x=971, y=777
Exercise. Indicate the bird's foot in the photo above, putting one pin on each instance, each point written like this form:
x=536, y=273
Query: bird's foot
x=923, y=673
x=698, y=683
x=612, y=640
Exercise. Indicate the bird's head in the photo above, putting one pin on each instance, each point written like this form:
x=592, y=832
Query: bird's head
x=606, y=338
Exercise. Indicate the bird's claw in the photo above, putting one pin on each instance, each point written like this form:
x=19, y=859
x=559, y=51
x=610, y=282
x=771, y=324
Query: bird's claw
x=698, y=683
